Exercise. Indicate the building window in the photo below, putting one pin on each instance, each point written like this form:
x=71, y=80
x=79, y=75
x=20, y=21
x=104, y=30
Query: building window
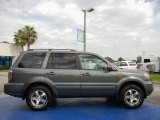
x=146, y=60
x=5, y=61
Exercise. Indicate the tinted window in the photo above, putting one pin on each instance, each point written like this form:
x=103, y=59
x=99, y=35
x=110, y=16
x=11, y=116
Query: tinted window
x=62, y=61
x=92, y=62
x=32, y=60
x=132, y=63
x=50, y=64
x=123, y=64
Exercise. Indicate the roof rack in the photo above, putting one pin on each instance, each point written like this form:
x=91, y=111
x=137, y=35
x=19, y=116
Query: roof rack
x=51, y=50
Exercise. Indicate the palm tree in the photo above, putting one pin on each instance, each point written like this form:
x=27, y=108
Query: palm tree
x=30, y=35
x=19, y=39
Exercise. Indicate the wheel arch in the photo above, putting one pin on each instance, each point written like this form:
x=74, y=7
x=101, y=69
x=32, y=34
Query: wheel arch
x=139, y=84
x=36, y=84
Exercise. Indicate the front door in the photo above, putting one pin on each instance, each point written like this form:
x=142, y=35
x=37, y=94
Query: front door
x=95, y=81
x=62, y=69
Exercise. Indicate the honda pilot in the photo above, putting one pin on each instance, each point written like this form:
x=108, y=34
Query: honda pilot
x=41, y=75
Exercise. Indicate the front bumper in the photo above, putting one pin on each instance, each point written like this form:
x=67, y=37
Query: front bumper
x=14, y=89
x=149, y=88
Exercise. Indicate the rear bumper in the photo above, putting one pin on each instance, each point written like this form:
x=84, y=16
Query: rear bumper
x=14, y=89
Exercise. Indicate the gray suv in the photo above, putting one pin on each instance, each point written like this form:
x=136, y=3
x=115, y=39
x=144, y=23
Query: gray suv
x=39, y=76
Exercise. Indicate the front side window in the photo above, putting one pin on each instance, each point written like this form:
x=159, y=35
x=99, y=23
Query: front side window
x=62, y=61
x=32, y=60
x=92, y=62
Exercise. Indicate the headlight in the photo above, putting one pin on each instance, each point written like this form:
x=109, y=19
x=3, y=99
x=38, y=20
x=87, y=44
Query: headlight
x=147, y=76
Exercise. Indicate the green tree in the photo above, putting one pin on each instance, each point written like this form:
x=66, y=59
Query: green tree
x=30, y=35
x=25, y=36
x=19, y=39
x=110, y=59
x=5, y=42
x=121, y=59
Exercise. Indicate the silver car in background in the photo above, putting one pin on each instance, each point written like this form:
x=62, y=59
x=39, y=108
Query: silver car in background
x=131, y=65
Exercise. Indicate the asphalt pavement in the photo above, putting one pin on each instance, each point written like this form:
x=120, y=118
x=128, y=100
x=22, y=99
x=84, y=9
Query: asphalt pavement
x=3, y=80
x=77, y=109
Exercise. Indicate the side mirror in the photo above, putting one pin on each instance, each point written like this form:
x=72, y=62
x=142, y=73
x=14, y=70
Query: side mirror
x=20, y=65
x=109, y=68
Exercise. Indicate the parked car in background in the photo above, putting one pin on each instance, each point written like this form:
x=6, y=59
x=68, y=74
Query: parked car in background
x=40, y=76
x=127, y=65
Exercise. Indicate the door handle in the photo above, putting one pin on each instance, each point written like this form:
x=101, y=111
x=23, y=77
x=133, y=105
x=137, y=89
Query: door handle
x=50, y=73
x=86, y=74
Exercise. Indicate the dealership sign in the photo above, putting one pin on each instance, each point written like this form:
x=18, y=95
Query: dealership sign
x=80, y=35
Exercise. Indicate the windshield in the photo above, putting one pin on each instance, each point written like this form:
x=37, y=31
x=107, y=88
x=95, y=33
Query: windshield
x=132, y=63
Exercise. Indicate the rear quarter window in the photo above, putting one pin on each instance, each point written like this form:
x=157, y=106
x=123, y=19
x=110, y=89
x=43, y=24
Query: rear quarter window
x=32, y=60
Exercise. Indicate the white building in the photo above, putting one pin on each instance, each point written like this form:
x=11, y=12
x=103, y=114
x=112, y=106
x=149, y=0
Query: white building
x=8, y=53
x=149, y=63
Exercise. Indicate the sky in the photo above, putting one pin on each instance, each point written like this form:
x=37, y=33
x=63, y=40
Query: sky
x=117, y=28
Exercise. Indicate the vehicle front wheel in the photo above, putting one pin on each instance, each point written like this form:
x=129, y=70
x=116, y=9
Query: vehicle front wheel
x=39, y=98
x=131, y=96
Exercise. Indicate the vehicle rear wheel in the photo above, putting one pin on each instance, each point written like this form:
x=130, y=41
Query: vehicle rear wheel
x=131, y=96
x=39, y=98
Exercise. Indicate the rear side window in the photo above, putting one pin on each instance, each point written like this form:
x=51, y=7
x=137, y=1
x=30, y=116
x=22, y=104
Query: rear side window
x=32, y=60
x=62, y=61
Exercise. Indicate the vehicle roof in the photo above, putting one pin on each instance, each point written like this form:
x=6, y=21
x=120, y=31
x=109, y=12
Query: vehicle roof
x=127, y=61
x=58, y=51
x=63, y=51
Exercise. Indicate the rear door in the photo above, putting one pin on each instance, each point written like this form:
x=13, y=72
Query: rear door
x=62, y=69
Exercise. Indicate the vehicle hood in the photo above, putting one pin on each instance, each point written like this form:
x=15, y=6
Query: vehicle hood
x=127, y=72
x=130, y=71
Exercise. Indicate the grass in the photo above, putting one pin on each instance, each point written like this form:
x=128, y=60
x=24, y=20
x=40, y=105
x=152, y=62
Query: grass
x=155, y=77
x=3, y=70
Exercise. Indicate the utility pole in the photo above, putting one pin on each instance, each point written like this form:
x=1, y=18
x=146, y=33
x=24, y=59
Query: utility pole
x=84, y=37
x=84, y=31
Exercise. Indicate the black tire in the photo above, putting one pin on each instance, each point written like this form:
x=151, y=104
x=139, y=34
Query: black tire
x=125, y=101
x=48, y=97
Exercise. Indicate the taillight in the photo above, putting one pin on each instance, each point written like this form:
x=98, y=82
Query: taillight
x=10, y=74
